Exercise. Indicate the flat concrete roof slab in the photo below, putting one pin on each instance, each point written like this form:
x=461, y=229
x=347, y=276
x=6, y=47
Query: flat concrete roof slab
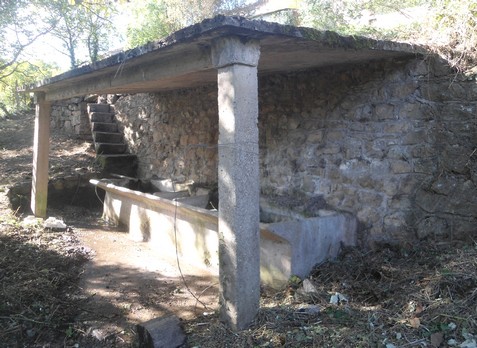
x=182, y=60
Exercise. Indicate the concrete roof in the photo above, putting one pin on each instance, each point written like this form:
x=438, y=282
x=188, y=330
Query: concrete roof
x=183, y=60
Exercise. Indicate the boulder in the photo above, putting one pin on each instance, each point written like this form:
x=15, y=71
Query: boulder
x=162, y=332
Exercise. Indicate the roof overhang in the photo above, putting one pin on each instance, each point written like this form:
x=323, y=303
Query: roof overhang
x=183, y=59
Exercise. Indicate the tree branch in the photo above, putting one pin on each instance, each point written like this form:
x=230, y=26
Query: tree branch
x=22, y=47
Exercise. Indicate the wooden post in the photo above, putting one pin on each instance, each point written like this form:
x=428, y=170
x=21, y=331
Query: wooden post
x=41, y=142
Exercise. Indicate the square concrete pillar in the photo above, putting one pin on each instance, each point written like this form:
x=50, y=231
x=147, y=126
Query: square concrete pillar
x=239, y=181
x=41, y=142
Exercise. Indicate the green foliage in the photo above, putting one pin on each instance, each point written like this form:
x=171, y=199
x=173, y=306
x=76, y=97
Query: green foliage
x=83, y=25
x=455, y=25
x=155, y=19
x=150, y=22
x=69, y=332
x=450, y=26
x=337, y=314
x=344, y=16
x=294, y=281
x=67, y=22
x=19, y=28
x=80, y=27
x=16, y=76
x=98, y=27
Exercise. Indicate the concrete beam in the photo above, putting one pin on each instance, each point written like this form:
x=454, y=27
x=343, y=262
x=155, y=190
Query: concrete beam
x=239, y=189
x=135, y=76
x=41, y=142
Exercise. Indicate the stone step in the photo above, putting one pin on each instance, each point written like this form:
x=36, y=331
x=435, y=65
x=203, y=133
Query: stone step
x=107, y=137
x=124, y=164
x=104, y=127
x=106, y=117
x=92, y=107
x=108, y=148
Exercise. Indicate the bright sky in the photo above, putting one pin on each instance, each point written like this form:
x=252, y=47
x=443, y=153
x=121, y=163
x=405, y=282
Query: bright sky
x=47, y=48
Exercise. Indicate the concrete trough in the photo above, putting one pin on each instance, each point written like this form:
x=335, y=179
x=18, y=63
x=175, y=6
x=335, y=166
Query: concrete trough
x=183, y=225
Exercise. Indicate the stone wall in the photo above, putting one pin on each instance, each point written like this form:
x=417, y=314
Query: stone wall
x=393, y=142
x=62, y=191
x=70, y=116
x=174, y=134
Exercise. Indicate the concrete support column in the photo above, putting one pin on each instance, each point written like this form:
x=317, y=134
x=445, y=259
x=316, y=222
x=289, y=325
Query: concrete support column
x=41, y=142
x=239, y=181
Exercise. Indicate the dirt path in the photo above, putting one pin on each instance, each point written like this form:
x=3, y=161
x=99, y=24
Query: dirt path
x=128, y=283
x=125, y=282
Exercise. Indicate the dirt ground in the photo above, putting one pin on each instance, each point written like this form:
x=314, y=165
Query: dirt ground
x=90, y=285
x=123, y=283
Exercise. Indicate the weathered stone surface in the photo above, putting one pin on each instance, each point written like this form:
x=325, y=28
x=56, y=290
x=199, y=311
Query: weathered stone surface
x=71, y=117
x=174, y=116
x=449, y=195
x=92, y=98
x=19, y=197
x=400, y=167
x=71, y=190
x=123, y=164
x=163, y=332
x=392, y=130
x=307, y=291
x=55, y=224
x=432, y=226
x=463, y=227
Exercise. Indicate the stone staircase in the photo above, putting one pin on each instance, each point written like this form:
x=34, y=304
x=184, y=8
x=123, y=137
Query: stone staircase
x=111, y=150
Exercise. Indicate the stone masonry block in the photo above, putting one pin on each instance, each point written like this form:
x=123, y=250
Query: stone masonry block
x=400, y=167
x=163, y=332
x=400, y=202
x=456, y=158
x=432, y=226
x=410, y=111
x=414, y=137
x=384, y=112
x=336, y=136
x=369, y=215
x=428, y=165
x=398, y=152
x=400, y=91
x=369, y=182
x=409, y=184
x=372, y=199
x=422, y=151
x=396, y=127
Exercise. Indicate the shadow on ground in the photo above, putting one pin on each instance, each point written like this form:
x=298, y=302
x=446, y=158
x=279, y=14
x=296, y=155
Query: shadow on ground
x=39, y=274
x=127, y=283
x=89, y=286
